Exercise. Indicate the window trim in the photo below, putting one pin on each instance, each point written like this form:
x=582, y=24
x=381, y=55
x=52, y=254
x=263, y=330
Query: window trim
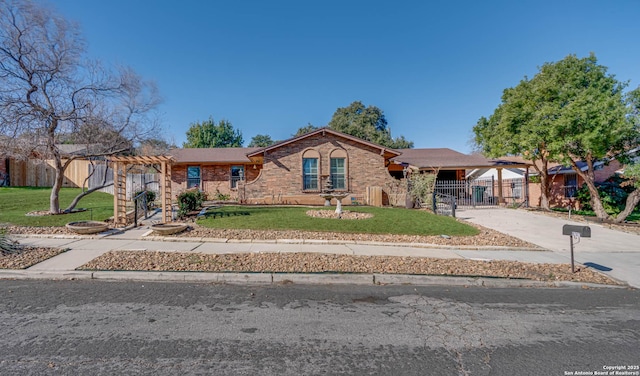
x=191, y=180
x=570, y=190
x=336, y=175
x=340, y=153
x=311, y=153
x=233, y=182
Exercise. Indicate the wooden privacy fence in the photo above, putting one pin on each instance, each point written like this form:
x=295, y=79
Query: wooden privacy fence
x=135, y=182
x=35, y=173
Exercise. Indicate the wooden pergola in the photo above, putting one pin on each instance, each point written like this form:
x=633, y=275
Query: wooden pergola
x=120, y=185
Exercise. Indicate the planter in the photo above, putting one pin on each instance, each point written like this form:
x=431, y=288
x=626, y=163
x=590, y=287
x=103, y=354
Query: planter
x=169, y=228
x=87, y=227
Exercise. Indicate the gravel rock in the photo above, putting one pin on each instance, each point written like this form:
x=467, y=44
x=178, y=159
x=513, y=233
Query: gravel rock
x=27, y=257
x=486, y=237
x=332, y=263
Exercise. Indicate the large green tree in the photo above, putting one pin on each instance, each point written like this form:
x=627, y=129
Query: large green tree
x=517, y=128
x=367, y=123
x=261, y=140
x=207, y=134
x=304, y=130
x=571, y=111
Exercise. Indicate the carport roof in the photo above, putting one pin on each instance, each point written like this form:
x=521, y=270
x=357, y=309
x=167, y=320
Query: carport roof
x=441, y=158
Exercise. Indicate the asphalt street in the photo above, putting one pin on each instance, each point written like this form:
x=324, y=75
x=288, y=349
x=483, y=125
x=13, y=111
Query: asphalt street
x=156, y=328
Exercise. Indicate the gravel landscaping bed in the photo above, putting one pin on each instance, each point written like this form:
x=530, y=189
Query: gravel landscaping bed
x=486, y=237
x=324, y=263
x=316, y=263
x=27, y=257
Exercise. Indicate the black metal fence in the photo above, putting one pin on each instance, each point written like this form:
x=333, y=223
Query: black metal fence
x=483, y=192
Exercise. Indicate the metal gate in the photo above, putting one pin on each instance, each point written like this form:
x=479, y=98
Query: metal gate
x=483, y=192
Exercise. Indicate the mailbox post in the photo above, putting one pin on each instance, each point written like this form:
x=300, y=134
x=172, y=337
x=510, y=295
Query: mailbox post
x=575, y=232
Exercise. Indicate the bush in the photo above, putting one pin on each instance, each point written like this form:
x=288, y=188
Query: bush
x=189, y=201
x=613, y=192
x=151, y=197
x=421, y=188
x=219, y=196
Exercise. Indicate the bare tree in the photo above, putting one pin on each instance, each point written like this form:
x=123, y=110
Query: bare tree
x=49, y=92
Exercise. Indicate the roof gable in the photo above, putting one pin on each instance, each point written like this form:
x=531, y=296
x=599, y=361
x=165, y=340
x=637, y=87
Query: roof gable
x=325, y=130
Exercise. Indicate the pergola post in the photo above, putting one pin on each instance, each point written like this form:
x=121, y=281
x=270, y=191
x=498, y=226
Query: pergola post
x=165, y=187
x=119, y=193
x=120, y=185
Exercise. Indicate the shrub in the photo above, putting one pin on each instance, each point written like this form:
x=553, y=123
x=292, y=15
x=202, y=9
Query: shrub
x=7, y=245
x=219, y=196
x=613, y=192
x=189, y=201
x=421, y=188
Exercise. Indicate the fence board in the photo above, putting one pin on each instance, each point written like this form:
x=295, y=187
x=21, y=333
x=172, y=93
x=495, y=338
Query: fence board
x=135, y=182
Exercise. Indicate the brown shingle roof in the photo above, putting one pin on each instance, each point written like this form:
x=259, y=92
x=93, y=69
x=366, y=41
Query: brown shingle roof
x=212, y=155
x=440, y=158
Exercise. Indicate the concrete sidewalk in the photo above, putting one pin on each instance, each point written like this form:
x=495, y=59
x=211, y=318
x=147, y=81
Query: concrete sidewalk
x=613, y=252
x=607, y=249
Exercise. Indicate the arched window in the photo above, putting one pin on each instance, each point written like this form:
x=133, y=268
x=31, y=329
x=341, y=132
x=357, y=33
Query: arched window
x=310, y=170
x=338, y=169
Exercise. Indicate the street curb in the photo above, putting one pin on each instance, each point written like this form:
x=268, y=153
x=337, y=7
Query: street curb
x=295, y=278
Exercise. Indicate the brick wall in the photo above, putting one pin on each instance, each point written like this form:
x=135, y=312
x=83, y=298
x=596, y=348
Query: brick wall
x=214, y=178
x=280, y=180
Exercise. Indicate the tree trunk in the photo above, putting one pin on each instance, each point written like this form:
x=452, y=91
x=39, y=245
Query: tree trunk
x=544, y=191
x=544, y=183
x=632, y=201
x=589, y=180
x=77, y=199
x=54, y=198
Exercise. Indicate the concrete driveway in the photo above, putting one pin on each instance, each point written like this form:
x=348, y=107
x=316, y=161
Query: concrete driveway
x=613, y=252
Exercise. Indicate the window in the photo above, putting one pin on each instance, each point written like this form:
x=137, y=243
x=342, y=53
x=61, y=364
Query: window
x=193, y=177
x=338, y=169
x=337, y=173
x=237, y=174
x=309, y=173
x=570, y=185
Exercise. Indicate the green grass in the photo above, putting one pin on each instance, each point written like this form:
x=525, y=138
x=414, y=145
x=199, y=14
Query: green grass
x=15, y=202
x=384, y=221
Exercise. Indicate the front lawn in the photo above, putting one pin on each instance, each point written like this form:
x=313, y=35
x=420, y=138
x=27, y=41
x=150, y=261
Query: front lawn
x=15, y=202
x=384, y=221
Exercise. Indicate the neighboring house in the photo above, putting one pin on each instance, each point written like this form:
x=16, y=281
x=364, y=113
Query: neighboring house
x=295, y=171
x=565, y=182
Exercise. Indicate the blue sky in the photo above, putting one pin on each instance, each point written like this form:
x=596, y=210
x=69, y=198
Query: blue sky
x=270, y=67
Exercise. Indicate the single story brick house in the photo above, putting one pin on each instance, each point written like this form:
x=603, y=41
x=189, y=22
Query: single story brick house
x=296, y=170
